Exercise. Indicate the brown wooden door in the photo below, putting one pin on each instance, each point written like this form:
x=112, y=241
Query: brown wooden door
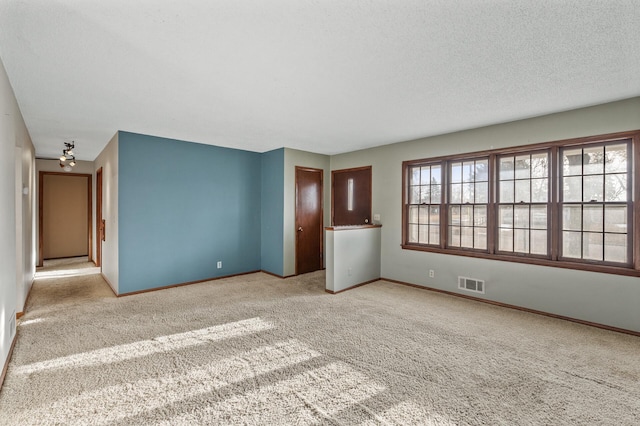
x=99, y=222
x=351, y=196
x=308, y=220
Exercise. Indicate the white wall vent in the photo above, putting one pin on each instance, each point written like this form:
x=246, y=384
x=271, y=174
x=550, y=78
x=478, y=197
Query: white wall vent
x=471, y=284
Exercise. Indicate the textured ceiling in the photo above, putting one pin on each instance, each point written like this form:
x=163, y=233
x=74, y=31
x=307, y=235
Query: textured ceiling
x=325, y=76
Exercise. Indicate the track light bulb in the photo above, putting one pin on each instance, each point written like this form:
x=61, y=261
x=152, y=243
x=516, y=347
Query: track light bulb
x=63, y=158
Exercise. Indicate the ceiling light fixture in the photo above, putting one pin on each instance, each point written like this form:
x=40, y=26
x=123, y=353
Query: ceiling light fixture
x=67, y=154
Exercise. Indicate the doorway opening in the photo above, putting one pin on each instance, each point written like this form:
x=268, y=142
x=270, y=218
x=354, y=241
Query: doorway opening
x=64, y=217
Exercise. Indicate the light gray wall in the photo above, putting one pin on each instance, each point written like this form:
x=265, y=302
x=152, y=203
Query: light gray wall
x=12, y=129
x=293, y=158
x=108, y=160
x=25, y=215
x=353, y=257
x=602, y=298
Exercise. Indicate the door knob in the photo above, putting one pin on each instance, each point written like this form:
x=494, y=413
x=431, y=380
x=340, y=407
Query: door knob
x=300, y=229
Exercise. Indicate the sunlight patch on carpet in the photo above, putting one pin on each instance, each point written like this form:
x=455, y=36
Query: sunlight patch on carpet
x=67, y=273
x=408, y=413
x=125, y=400
x=31, y=321
x=148, y=347
x=306, y=398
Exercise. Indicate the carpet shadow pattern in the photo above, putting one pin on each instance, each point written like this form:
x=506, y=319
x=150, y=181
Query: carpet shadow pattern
x=256, y=349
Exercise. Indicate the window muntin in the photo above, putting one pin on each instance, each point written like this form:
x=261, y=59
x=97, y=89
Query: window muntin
x=595, y=206
x=468, y=204
x=522, y=203
x=425, y=198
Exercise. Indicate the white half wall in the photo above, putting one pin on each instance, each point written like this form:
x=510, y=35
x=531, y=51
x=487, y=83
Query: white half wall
x=353, y=257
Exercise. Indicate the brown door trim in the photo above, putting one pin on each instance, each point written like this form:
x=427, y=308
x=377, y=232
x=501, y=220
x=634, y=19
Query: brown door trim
x=41, y=212
x=99, y=226
x=321, y=201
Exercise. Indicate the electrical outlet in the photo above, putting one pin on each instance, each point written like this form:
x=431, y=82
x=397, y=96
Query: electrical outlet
x=376, y=216
x=432, y=273
x=219, y=264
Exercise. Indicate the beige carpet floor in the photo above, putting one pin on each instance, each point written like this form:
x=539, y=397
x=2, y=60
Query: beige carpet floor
x=256, y=349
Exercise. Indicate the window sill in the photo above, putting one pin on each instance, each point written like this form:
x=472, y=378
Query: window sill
x=580, y=266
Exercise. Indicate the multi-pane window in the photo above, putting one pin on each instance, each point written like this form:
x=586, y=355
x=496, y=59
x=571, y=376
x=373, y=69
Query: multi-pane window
x=425, y=197
x=566, y=203
x=596, y=193
x=468, y=203
x=523, y=195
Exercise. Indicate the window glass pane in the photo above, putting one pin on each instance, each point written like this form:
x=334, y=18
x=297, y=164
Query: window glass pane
x=505, y=217
x=615, y=187
x=467, y=192
x=466, y=215
x=414, y=195
x=593, y=160
x=482, y=192
x=434, y=215
x=466, y=237
x=468, y=169
x=480, y=216
x=572, y=162
x=413, y=234
x=423, y=234
x=482, y=171
x=615, y=219
x=538, y=217
x=592, y=247
x=425, y=175
x=538, y=242
x=456, y=172
x=480, y=238
x=424, y=214
x=593, y=186
x=454, y=215
x=540, y=165
x=413, y=214
x=523, y=192
x=539, y=190
x=615, y=248
x=572, y=218
x=506, y=191
x=592, y=219
x=436, y=175
x=505, y=240
x=521, y=216
x=506, y=168
x=523, y=167
x=571, y=244
x=615, y=158
x=414, y=175
x=572, y=189
x=424, y=194
x=521, y=240
x=436, y=194
x=434, y=234
x=456, y=193
x=454, y=236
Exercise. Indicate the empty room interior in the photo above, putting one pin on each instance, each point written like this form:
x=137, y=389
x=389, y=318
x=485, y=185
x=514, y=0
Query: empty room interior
x=303, y=212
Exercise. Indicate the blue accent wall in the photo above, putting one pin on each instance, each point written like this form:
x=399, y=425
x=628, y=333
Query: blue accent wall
x=181, y=208
x=272, y=220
